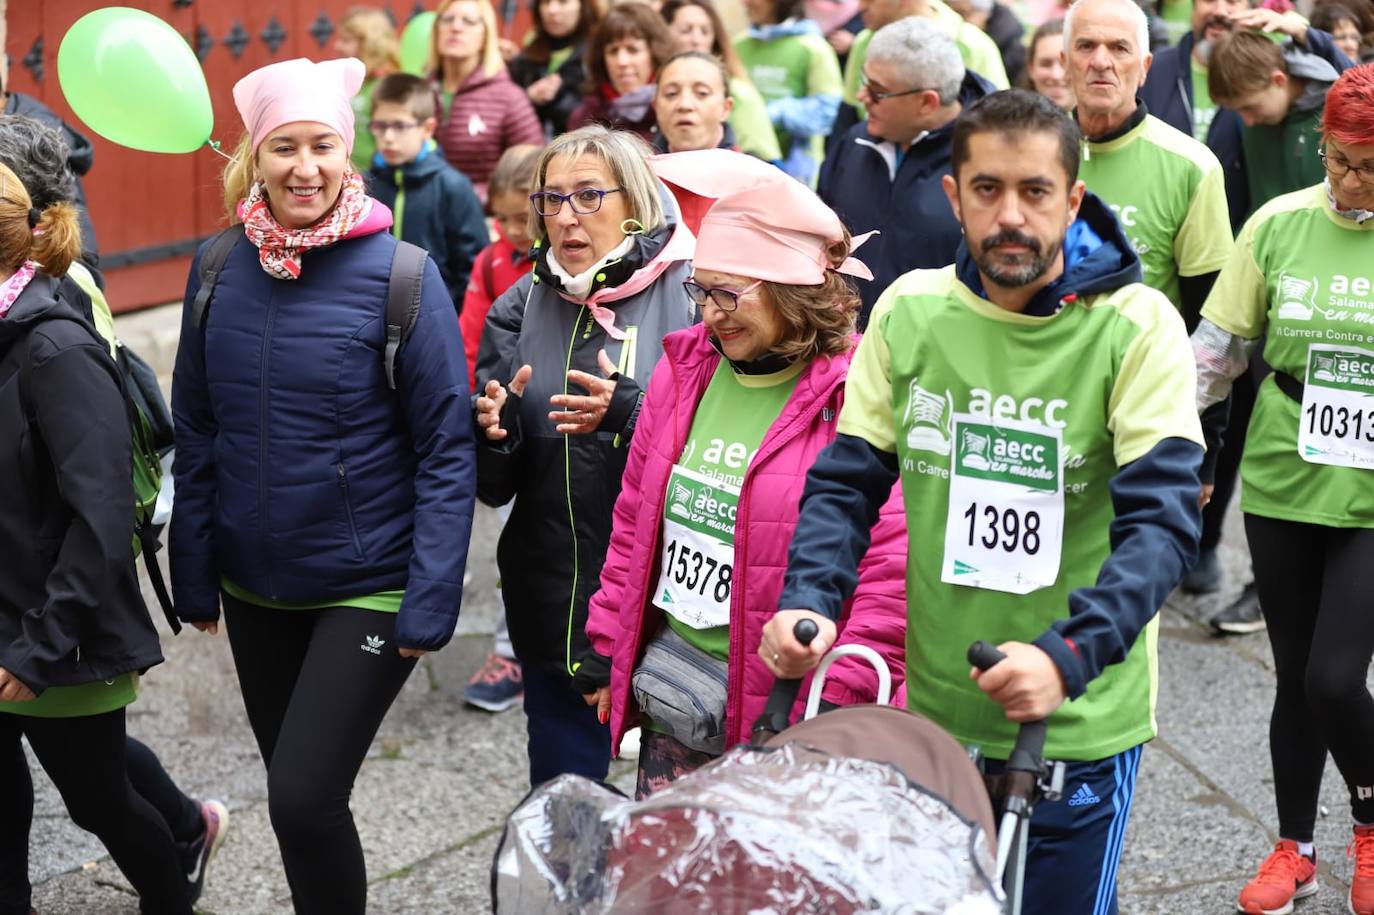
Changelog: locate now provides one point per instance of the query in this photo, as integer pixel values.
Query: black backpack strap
(402, 301)
(147, 536)
(1288, 385)
(211, 263)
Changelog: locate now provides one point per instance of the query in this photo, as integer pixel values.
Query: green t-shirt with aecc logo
(735, 413)
(1007, 430)
(1303, 276)
(1168, 191)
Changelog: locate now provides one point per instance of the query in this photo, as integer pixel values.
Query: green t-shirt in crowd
(792, 66)
(1032, 417)
(382, 601)
(749, 119)
(78, 701)
(734, 415)
(364, 146)
(1204, 109)
(1177, 16)
(1302, 275)
(1168, 191)
(979, 52)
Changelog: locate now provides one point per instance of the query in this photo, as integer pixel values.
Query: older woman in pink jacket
(735, 414)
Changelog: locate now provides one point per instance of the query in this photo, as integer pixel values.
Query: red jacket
(495, 270)
(489, 115)
(621, 620)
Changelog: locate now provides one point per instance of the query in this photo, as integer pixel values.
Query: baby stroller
(864, 809)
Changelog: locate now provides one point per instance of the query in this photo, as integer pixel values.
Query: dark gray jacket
(565, 486)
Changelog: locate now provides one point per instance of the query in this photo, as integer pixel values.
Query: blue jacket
(1168, 93)
(436, 208)
(300, 476)
(871, 185)
(1154, 537)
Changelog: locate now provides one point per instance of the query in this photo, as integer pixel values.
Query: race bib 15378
(697, 563)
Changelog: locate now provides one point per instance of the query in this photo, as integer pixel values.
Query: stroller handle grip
(784, 693)
(1028, 753)
(983, 655)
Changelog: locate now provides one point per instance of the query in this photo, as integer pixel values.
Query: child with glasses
(435, 205)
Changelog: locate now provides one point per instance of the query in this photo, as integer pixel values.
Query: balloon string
(214, 144)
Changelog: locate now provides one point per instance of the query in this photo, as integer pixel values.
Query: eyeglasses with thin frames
(584, 202)
(878, 95)
(450, 20)
(382, 128)
(726, 300)
(1337, 168)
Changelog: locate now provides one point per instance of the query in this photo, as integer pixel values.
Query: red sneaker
(1361, 848)
(1284, 876)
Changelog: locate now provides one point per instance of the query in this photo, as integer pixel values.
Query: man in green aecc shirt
(1036, 400)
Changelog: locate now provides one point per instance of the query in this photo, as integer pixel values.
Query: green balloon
(416, 42)
(135, 81)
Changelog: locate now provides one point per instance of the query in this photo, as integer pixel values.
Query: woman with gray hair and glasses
(564, 357)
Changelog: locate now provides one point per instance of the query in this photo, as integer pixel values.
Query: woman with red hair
(1298, 276)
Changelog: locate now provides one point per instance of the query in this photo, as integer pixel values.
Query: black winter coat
(554, 113)
(70, 607)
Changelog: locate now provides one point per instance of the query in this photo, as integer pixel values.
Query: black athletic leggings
(316, 685)
(1316, 585)
(86, 760)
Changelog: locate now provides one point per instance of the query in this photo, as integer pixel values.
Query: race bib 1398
(1005, 524)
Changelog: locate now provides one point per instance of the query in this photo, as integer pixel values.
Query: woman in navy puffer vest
(328, 513)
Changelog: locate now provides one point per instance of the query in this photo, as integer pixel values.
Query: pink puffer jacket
(621, 619)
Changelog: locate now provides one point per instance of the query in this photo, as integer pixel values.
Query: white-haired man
(885, 172)
(1166, 188)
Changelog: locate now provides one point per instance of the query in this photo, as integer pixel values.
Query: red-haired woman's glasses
(1337, 168)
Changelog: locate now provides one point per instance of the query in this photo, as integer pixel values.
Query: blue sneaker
(497, 686)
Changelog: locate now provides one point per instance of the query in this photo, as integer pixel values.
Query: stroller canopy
(831, 816)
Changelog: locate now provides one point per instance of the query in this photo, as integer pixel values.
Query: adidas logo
(373, 644)
(1084, 797)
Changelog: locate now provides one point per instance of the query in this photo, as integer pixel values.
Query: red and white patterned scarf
(12, 287)
(280, 248)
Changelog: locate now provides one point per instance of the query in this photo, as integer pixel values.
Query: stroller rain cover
(783, 829)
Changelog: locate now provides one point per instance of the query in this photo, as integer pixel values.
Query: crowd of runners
(823, 322)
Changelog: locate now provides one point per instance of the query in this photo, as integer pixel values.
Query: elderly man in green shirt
(1165, 187)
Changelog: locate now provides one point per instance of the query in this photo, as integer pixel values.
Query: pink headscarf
(300, 90)
(763, 224)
